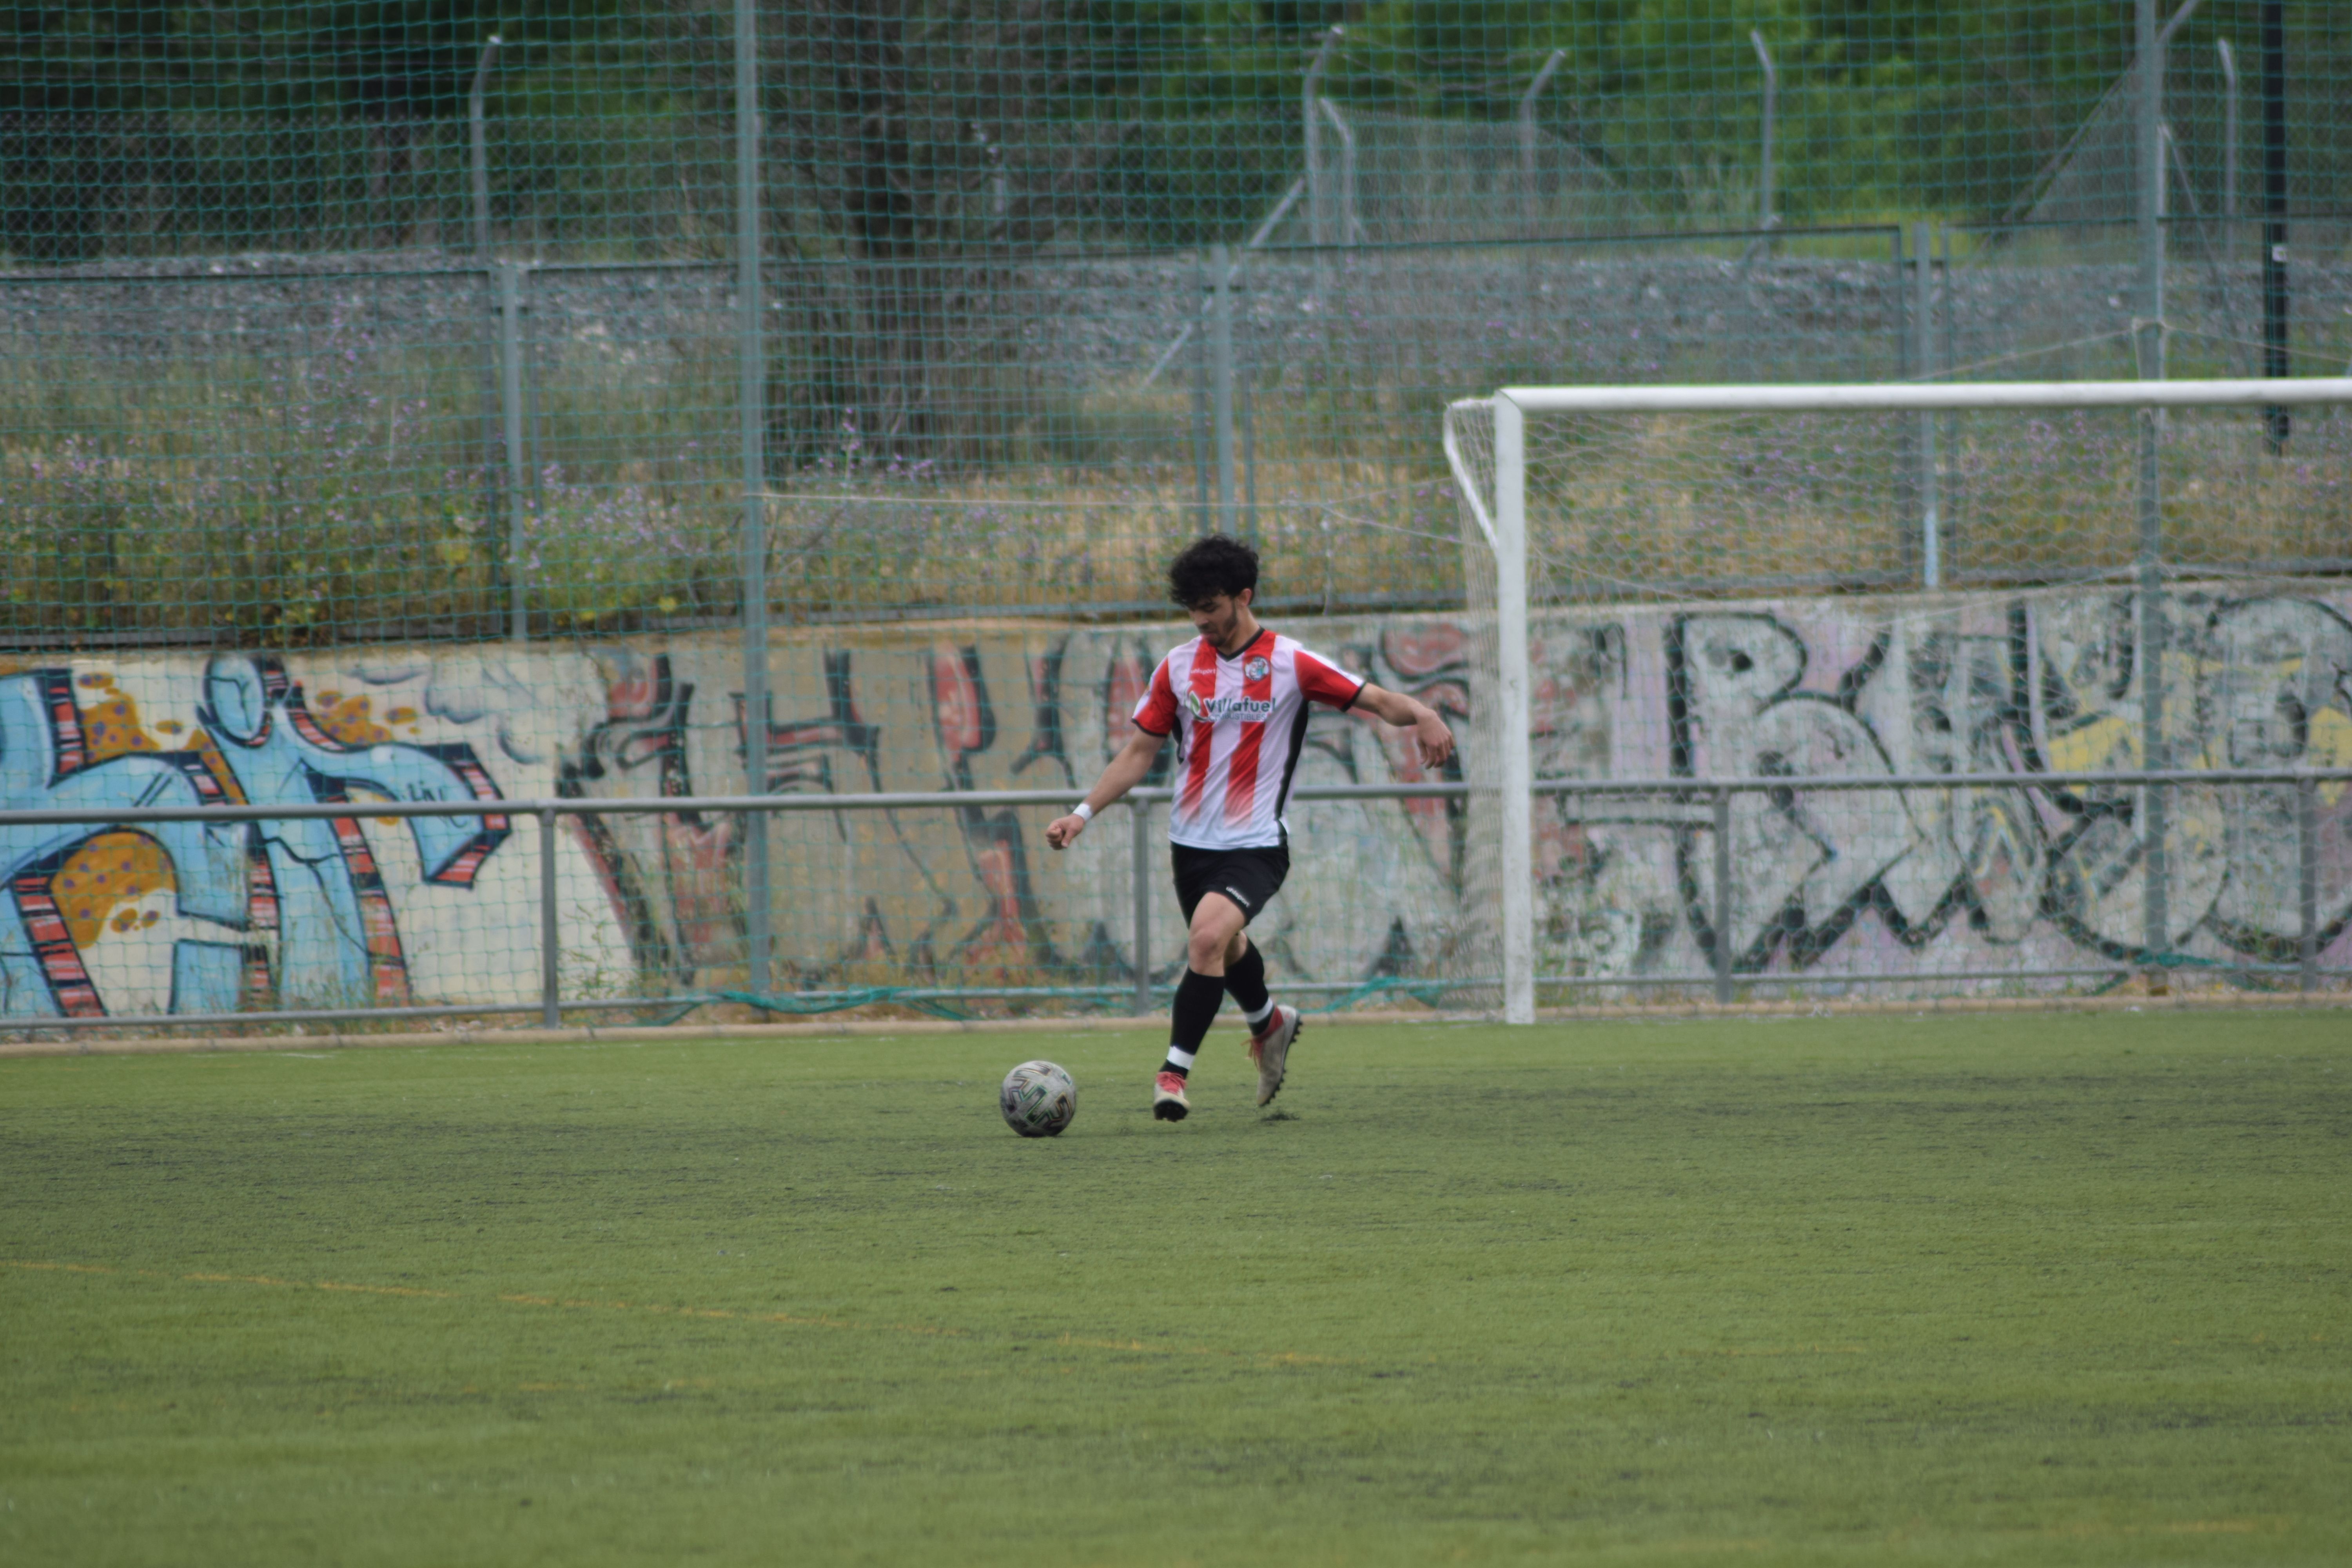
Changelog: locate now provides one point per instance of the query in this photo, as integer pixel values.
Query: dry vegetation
(1666, 507)
(349, 498)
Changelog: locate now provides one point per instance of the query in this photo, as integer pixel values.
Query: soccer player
(1236, 698)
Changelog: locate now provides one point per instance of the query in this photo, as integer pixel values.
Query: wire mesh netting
(902, 130)
(1378, 177)
(380, 380)
(1659, 508)
(297, 457)
(2156, 648)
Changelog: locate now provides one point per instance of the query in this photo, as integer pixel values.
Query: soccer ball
(1039, 1100)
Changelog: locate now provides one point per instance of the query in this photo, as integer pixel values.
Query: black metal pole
(2274, 295)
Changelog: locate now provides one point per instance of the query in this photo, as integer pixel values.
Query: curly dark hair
(1213, 564)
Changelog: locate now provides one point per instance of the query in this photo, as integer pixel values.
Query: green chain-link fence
(382, 337)
(986, 235)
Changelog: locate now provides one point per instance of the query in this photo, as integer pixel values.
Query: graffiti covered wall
(1936, 881)
(974, 897)
(360, 911)
(344, 912)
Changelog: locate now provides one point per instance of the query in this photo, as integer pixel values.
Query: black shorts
(1250, 877)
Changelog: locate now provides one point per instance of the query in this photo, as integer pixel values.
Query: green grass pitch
(2047, 1289)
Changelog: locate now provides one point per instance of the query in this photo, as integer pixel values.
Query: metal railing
(1702, 805)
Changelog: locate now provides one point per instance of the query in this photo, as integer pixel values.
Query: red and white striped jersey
(1239, 720)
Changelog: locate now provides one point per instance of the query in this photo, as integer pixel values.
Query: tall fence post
(534, 428)
(1528, 142)
(477, 136)
(752, 398)
(510, 412)
(1138, 845)
(2228, 149)
(493, 411)
(2156, 891)
(1202, 370)
(1907, 356)
(2149, 335)
(1313, 133)
(1246, 406)
(1931, 541)
(1764, 216)
(1514, 692)
(1722, 953)
(1949, 495)
(1221, 389)
(1530, 183)
(2307, 880)
(549, 951)
(2277, 361)
(1350, 227)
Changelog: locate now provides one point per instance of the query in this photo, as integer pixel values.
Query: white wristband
(1083, 812)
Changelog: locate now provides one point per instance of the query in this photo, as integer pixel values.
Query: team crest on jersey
(1257, 667)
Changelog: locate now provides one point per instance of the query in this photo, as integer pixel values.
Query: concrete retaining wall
(364, 911)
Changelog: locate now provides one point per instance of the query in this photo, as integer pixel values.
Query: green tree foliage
(168, 98)
(1146, 120)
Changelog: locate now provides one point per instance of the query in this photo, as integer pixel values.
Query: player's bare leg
(1217, 923)
(1217, 937)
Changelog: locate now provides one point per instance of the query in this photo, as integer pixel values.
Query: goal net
(1739, 638)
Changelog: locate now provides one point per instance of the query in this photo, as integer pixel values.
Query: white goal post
(1487, 446)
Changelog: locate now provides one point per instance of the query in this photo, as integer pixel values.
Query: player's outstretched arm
(1126, 771)
(1429, 732)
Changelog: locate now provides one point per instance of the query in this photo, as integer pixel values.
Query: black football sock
(1245, 981)
(1198, 996)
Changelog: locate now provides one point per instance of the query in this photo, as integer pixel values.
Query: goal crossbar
(1905, 396)
(1502, 519)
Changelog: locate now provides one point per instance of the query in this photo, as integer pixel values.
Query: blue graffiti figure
(315, 880)
(45, 765)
